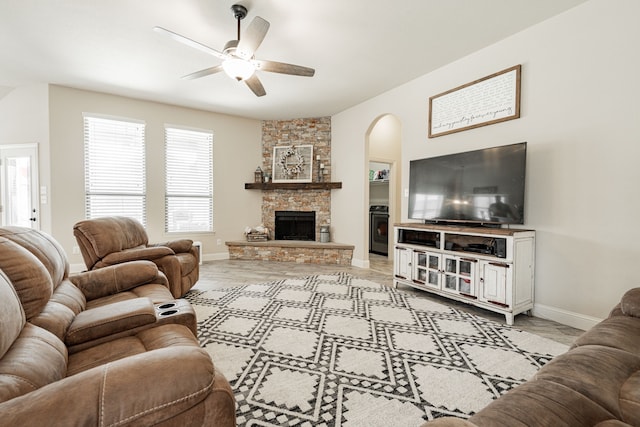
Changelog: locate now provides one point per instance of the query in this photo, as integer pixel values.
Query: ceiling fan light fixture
(238, 69)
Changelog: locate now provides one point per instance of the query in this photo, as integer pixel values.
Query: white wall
(24, 119)
(236, 151)
(579, 114)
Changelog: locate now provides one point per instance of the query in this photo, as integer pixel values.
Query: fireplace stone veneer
(292, 251)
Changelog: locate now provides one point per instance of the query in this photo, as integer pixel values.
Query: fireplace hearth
(295, 225)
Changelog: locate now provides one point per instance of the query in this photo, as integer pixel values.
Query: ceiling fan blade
(284, 68)
(191, 43)
(252, 38)
(203, 73)
(255, 85)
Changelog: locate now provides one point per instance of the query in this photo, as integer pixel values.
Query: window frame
(127, 144)
(174, 137)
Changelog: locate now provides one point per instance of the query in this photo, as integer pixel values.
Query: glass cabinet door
(419, 267)
(450, 274)
(427, 269)
(460, 275)
(433, 268)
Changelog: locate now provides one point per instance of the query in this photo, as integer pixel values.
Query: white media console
(491, 268)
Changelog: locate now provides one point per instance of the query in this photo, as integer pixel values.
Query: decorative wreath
(291, 169)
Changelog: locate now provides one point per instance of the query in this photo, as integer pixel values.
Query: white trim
(569, 318)
(13, 146)
(361, 263)
(110, 117)
(187, 128)
(216, 256)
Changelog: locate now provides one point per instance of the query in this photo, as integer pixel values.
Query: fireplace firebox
(295, 225)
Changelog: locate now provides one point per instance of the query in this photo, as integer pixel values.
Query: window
(189, 174)
(114, 168)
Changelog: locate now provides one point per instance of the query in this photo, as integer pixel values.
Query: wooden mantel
(292, 185)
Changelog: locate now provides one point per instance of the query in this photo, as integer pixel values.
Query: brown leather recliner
(153, 374)
(91, 307)
(114, 240)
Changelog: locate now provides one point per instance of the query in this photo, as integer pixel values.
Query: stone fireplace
(292, 236)
(315, 132)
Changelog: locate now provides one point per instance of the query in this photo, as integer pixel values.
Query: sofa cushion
(28, 275)
(56, 316)
(36, 358)
(44, 247)
(11, 315)
(597, 372)
(541, 403)
(622, 332)
(630, 400)
(143, 390)
(144, 341)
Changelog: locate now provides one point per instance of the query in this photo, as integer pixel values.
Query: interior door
(19, 185)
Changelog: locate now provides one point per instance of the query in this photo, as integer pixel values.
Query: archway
(383, 158)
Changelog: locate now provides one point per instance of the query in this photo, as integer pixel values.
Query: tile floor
(226, 273)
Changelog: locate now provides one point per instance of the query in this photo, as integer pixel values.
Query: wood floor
(227, 273)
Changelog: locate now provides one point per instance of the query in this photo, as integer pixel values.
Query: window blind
(114, 165)
(189, 180)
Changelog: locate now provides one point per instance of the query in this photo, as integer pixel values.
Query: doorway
(384, 160)
(379, 196)
(19, 199)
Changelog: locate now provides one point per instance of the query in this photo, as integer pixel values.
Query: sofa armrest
(177, 246)
(117, 278)
(135, 254)
(144, 389)
(110, 319)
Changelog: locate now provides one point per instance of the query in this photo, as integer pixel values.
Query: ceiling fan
(238, 59)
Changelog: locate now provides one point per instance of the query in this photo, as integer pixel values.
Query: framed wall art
(491, 99)
(292, 163)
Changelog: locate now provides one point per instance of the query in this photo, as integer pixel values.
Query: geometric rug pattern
(337, 350)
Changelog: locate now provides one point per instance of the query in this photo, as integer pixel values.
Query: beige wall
(580, 110)
(236, 154)
(24, 119)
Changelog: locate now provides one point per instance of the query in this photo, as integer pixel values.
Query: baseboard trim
(569, 318)
(360, 263)
(217, 256)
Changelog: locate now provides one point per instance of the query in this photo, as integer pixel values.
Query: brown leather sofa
(100, 347)
(595, 383)
(114, 240)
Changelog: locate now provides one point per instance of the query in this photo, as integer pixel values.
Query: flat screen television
(477, 187)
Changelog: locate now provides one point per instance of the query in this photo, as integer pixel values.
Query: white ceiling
(359, 48)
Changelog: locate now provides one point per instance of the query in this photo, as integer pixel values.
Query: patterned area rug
(336, 350)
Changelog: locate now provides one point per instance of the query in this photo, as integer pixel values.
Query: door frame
(32, 149)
